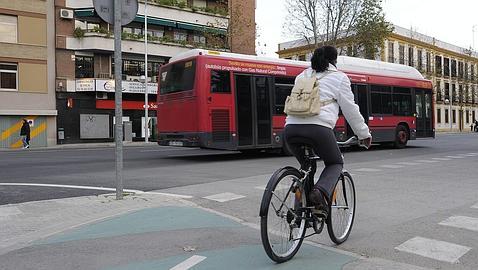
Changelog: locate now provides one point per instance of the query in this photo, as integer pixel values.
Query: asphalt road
(417, 205)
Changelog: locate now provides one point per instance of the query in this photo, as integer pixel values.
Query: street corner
(169, 237)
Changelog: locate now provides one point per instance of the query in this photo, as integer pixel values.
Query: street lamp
(449, 102)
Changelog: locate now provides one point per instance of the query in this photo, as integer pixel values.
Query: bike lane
(172, 237)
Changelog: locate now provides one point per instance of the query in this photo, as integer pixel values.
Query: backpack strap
(330, 101)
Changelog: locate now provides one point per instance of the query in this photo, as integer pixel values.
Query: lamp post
(449, 102)
(146, 130)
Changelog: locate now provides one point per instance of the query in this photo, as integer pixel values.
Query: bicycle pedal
(319, 213)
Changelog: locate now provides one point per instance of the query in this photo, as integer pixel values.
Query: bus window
(381, 97)
(178, 77)
(283, 86)
(220, 81)
(402, 101)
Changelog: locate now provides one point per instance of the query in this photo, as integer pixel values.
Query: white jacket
(335, 85)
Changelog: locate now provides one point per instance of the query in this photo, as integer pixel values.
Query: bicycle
(285, 199)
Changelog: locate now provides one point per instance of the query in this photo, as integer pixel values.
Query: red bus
(231, 101)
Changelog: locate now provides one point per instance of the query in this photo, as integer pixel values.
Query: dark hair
(322, 57)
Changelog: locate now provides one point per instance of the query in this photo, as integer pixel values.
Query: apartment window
(8, 28)
(429, 62)
(180, 35)
(447, 91)
(460, 70)
(391, 52)
(438, 65)
(8, 76)
(401, 54)
(472, 72)
(302, 57)
(439, 93)
(453, 68)
(466, 71)
(453, 116)
(447, 116)
(220, 81)
(453, 92)
(84, 66)
(446, 67)
(158, 33)
(199, 39)
(420, 59)
(467, 116)
(474, 95)
(410, 57)
(461, 97)
(438, 116)
(467, 94)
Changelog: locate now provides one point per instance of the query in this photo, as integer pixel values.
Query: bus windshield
(178, 77)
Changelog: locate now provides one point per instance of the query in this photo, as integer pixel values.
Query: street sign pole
(118, 100)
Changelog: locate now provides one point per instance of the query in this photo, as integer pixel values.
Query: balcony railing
(221, 10)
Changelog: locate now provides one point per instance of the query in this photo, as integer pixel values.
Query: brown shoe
(317, 198)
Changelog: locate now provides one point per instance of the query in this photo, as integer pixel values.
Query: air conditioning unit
(101, 95)
(66, 13)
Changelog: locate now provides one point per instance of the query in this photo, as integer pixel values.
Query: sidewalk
(84, 146)
(147, 231)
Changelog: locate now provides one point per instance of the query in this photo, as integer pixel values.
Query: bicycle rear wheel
(282, 226)
(342, 210)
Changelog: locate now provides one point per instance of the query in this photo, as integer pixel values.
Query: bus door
(423, 111)
(361, 99)
(253, 107)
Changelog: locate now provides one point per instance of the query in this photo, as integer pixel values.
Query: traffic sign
(105, 9)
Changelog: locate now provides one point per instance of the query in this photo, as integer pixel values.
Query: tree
(339, 22)
(321, 21)
(371, 29)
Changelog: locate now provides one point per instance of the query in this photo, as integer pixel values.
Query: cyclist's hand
(366, 142)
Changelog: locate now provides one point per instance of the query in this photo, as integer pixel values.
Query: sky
(451, 23)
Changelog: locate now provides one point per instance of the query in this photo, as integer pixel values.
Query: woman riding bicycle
(317, 130)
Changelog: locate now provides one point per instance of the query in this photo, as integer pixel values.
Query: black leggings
(322, 139)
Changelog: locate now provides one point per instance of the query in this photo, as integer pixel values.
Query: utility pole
(146, 130)
(118, 100)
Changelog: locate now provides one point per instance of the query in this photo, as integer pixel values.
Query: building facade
(85, 64)
(26, 59)
(452, 69)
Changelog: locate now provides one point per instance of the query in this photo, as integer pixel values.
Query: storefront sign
(85, 85)
(102, 85)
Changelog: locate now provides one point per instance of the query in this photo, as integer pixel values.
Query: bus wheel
(401, 137)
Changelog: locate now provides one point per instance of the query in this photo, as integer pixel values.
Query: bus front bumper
(179, 139)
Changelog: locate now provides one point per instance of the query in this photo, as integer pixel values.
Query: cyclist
(318, 130)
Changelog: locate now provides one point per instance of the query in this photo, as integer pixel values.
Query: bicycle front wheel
(282, 215)
(342, 210)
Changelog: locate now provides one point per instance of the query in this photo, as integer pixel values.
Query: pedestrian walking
(25, 134)
(476, 125)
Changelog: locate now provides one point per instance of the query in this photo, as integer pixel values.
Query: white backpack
(304, 99)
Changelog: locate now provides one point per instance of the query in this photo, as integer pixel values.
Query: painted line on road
(455, 157)
(434, 249)
(427, 161)
(169, 149)
(461, 222)
(187, 264)
(408, 163)
(475, 206)
(391, 166)
(224, 197)
(367, 170)
(95, 188)
(442, 159)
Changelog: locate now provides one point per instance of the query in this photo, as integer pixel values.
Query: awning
(89, 12)
(201, 28)
(156, 21)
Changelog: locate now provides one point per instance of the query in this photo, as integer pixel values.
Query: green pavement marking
(143, 221)
(250, 257)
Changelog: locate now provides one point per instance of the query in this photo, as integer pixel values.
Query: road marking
(169, 149)
(367, 170)
(408, 163)
(187, 264)
(224, 197)
(391, 166)
(441, 159)
(434, 249)
(455, 157)
(95, 188)
(427, 161)
(475, 206)
(469, 155)
(476, 154)
(278, 187)
(462, 222)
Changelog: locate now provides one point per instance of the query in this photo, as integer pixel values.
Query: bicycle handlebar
(352, 141)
